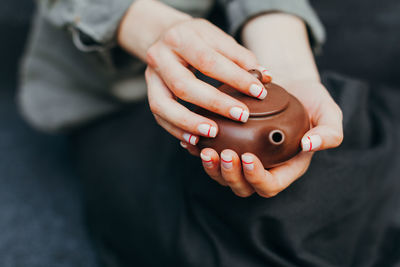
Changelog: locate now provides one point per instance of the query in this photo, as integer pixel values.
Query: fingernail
(239, 114)
(184, 145)
(248, 162)
(206, 160)
(311, 143)
(190, 138)
(207, 130)
(226, 161)
(267, 76)
(258, 91)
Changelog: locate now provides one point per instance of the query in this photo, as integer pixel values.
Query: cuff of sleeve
(97, 20)
(239, 12)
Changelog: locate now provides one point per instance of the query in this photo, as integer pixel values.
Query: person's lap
(150, 202)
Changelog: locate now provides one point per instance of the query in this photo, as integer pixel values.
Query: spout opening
(276, 137)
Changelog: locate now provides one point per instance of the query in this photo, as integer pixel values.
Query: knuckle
(215, 104)
(231, 180)
(173, 37)
(221, 182)
(255, 181)
(155, 107)
(268, 190)
(273, 192)
(274, 188)
(178, 87)
(338, 111)
(157, 119)
(269, 194)
(151, 56)
(244, 193)
(338, 138)
(205, 62)
(240, 193)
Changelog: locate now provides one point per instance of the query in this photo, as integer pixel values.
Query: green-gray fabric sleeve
(94, 23)
(240, 11)
(97, 19)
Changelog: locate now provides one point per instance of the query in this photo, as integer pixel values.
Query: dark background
(41, 220)
(363, 39)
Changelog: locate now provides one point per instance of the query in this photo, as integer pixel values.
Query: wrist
(143, 24)
(280, 42)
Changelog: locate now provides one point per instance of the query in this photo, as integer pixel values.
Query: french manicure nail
(206, 160)
(226, 161)
(190, 138)
(258, 91)
(248, 162)
(184, 145)
(239, 114)
(267, 76)
(311, 143)
(207, 130)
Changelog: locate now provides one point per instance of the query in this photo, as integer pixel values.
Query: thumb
(328, 130)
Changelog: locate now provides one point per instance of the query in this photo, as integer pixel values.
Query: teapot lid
(276, 101)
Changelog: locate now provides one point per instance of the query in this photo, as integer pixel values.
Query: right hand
(198, 44)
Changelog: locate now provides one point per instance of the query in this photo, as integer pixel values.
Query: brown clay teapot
(273, 131)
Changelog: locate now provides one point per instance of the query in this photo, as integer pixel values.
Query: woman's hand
(287, 51)
(181, 45)
(245, 173)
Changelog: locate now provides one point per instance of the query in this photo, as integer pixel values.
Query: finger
(231, 171)
(270, 183)
(328, 132)
(266, 74)
(163, 104)
(230, 48)
(213, 64)
(193, 150)
(210, 160)
(186, 137)
(186, 86)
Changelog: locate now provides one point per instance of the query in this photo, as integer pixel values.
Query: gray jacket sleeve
(97, 19)
(240, 11)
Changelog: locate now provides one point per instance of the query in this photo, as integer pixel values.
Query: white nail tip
(311, 143)
(239, 114)
(205, 157)
(263, 94)
(247, 158)
(183, 144)
(248, 162)
(265, 71)
(190, 138)
(213, 131)
(226, 161)
(245, 116)
(226, 157)
(207, 130)
(257, 91)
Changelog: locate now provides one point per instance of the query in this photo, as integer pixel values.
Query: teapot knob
(256, 73)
